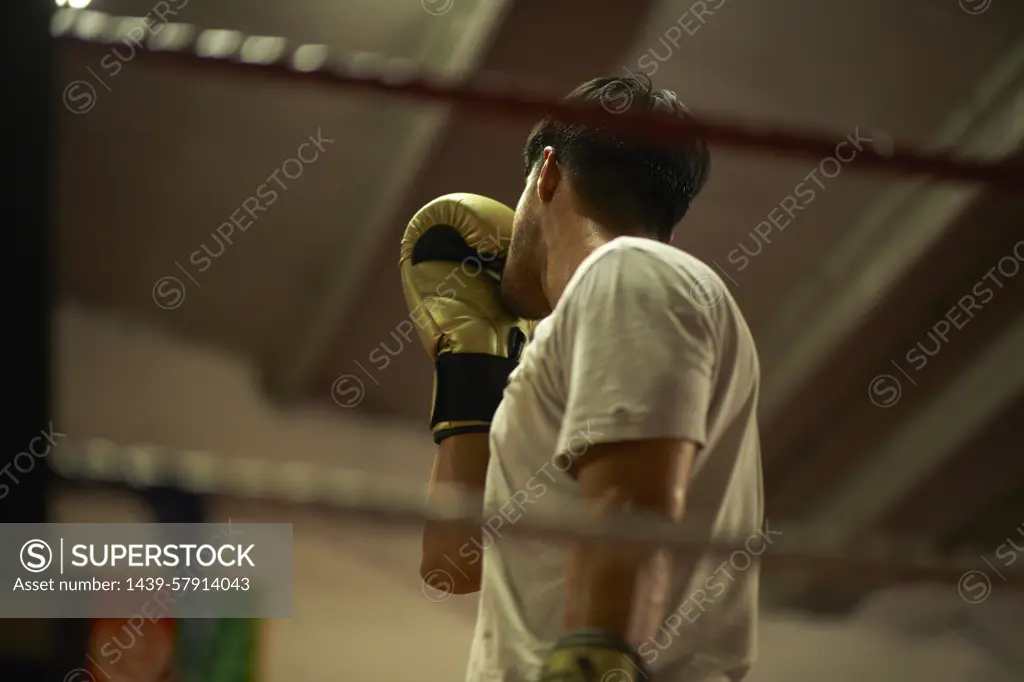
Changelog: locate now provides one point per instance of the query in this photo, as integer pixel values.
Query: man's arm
(623, 592)
(448, 250)
(638, 358)
(451, 562)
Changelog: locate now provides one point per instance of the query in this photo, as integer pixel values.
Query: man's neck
(567, 253)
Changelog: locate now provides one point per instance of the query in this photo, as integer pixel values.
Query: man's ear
(549, 176)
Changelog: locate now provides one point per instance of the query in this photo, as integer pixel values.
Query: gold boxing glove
(593, 655)
(453, 252)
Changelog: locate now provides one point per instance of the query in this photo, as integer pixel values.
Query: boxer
(638, 391)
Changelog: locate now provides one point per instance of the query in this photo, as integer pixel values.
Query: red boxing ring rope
(504, 102)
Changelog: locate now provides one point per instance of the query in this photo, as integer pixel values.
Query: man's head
(622, 184)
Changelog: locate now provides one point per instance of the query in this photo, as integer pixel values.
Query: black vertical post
(27, 648)
(27, 226)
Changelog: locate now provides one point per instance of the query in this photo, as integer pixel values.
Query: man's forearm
(617, 587)
(461, 463)
(621, 587)
(451, 552)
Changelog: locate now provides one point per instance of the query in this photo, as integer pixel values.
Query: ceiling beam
(926, 441)
(929, 438)
(987, 468)
(455, 45)
(795, 447)
(802, 468)
(461, 157)
(891, 235)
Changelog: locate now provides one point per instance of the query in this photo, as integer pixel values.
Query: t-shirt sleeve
(637, 355)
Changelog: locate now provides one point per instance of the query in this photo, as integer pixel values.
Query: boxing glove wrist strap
(468, 389)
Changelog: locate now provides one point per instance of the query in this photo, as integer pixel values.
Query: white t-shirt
(646, 342)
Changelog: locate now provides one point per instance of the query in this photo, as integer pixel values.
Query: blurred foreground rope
(794, 548)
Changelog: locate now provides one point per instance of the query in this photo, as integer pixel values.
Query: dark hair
(625, 180)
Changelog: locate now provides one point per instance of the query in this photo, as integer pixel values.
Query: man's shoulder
(655, 266)
(662, 258)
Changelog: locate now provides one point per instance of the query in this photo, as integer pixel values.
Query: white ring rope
(797, 547)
